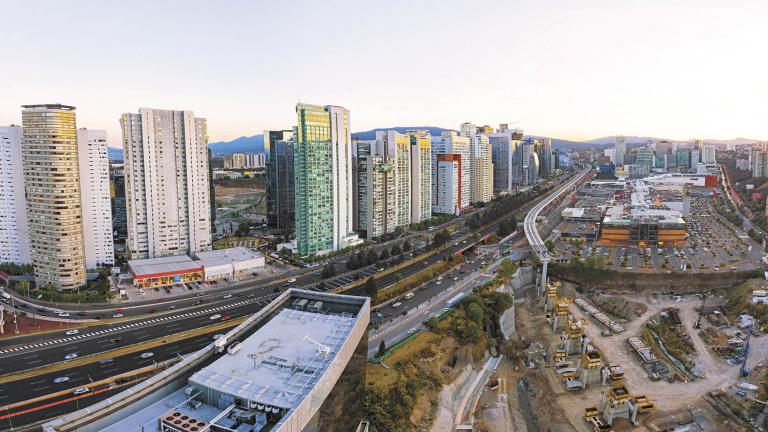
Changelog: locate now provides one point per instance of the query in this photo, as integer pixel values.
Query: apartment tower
(421, 175)
(166, 183)
(323, 179)
(52, 182)
(14, 231)
(95, 197)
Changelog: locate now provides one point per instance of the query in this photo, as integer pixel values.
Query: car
(200, 294)
(455, 278)
(171, 307)
(438, 282)
(117, 315)
(446, 309)
(396, 304)
(60, 380)
(151, 311)
(72, 332)
(379, 270)
(292, 280)
(63, 314)
(70, 356)
(106, 361)
(141, 291)
(225, 317)
(81, 390)
(217, 336)
(214, 317)
(226, 296)
(147, 355)
(412, 330)
(606, 333)
(197, 303)
(81, 314)
(115, 340)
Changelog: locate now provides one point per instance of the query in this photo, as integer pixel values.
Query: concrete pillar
(543, 287)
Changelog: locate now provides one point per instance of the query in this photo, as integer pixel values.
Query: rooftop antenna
(323, 350)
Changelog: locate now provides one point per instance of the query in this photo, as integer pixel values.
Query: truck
(455, 299)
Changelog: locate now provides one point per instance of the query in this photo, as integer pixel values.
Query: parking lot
(714, 245)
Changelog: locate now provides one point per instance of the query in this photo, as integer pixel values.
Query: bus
(408, 296)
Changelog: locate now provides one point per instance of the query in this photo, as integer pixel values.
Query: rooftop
(226, 256)
(171, 264)
(280, 362)
(54, 106)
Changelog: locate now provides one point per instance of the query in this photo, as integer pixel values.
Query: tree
(352, 262)
(329, 271)
(395, 250)
(382, 349)
(550, 245)
(372, 257)
(475, 313)
(440, 238)
(406, 246)
(384, 254)
(371, 289)
(507, 269)
(243, 228)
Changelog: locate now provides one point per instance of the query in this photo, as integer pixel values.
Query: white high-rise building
(481, 169)
(450, 143)
(621, 150)
(446, 183)
(95, 197)
(166, 183)
(14, 231)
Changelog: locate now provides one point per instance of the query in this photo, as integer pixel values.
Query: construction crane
(323, 350)
(745, 371)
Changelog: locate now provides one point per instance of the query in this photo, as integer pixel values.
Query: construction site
(653, 372)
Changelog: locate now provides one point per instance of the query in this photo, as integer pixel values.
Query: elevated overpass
(529, 225)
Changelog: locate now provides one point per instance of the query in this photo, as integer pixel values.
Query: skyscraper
(273, 136)
(543, 148)
(447, 180)
(95, 197)
(481, 169)
(621, 150)
(506, 156)
(421, 175)
(14, 231)
(450, 143)
(52, 182)
(166, 183)
(280, 182)
(323, 179)
(645, 157)
(708, 155)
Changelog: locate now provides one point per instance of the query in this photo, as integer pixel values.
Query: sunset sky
(567, 69)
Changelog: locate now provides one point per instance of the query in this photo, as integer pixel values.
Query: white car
(117, 316)
(64, 315)
(215, 317)
(81, 390)
(72, 332)
(396, 304)
(438, 283)
(291, 280)
(70, 356)
(146, 355)
(226, 296)
(411, 331)
(61, 379)
(446, 309)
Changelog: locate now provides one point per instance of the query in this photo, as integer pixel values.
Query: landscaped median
(80, 361)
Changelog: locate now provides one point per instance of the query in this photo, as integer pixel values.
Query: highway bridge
(529, 225)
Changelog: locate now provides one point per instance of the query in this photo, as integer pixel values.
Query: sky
(567, 69)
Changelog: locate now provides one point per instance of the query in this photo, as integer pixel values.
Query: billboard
(750, 186)
(756, 195)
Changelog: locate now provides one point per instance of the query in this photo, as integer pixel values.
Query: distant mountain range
(255, 143)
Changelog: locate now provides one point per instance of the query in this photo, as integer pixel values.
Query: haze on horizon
(572, 70)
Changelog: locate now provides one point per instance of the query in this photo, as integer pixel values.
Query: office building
(119, 212)
(296, 365)
(167, 183)
(708, 155)
(543, 148)
(323, 179)
(481, 169)
(95, 198)
(506, 156)
(645, 157)
(280, 181)
(421, 175)
(533, 167)
(52, 183)
(451, 143)
(273, 136)
(447, 181)
(14, 231)
(621, 150)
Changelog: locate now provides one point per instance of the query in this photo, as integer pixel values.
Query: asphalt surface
(28, 352)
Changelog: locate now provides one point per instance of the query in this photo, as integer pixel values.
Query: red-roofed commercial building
(165, 271)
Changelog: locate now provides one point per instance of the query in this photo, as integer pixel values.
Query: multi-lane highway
(96, 343)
